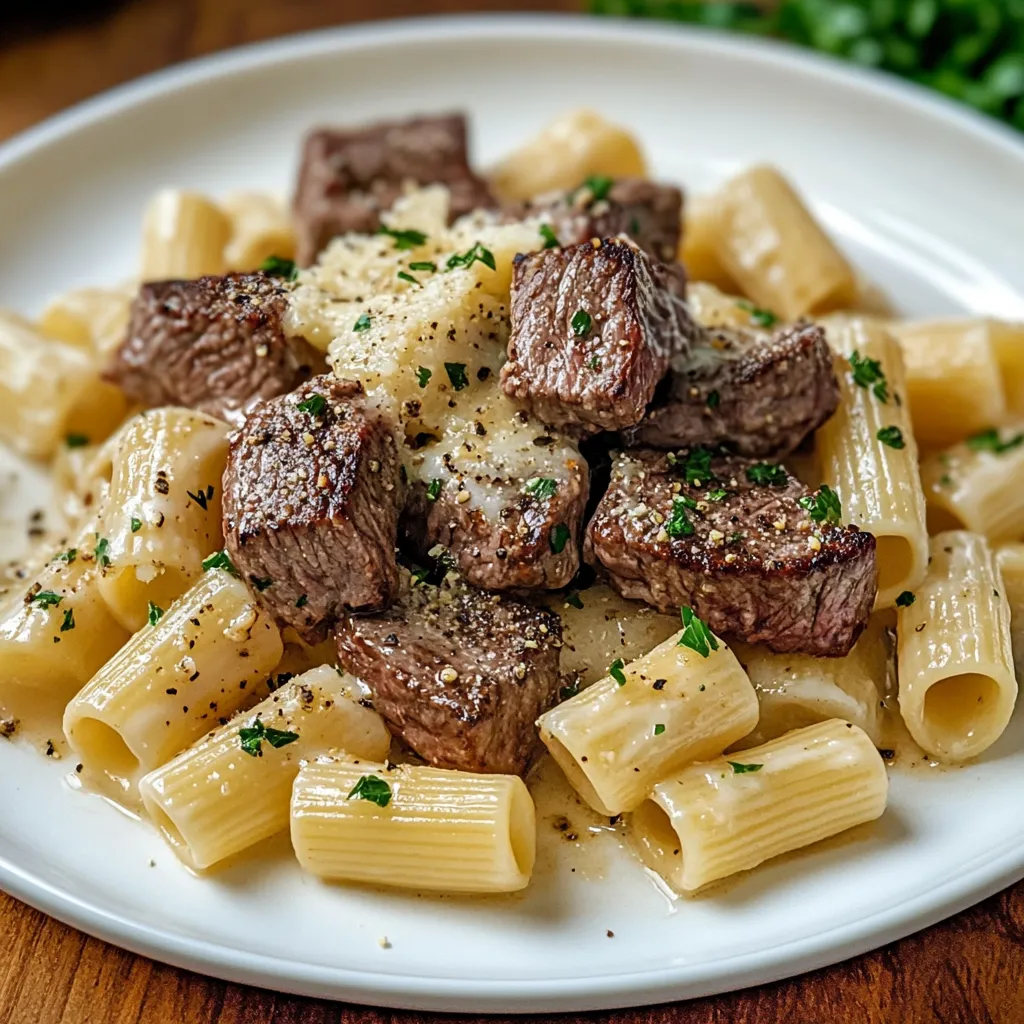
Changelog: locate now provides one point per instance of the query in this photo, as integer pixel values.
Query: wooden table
(969, 970)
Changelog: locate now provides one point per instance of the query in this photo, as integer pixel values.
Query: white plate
(927, 198)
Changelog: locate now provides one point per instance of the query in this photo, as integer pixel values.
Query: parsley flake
(892, 436)
(593, 363)
(478, 254)
(869, 373)
(713, 399)
(574, 599)
(659, 729)
(423, 375)
(696, 634)
(219, 560)
(581, 323)
(69, 620)
(905, 600)
(549, 236)
(541, 487)
(434, 490)
(457, 375)
(767, 474)
(824, 507)
(423, 265)
(407, 239)
(615, 671)
(759, 316)
(559, 537)
(716, 495)
(404, 276)
(599, 185)
(363, 323)
(570, 691)
(990, 441)
(302, 601)
(696, 466)
(315, 405)
(76, 440)
(47, 599)
(136, 524)
(261, 582)
(372, 788)
(102, 552)
(742, 769)
(277, 266)
(252, 738)
(155, 613)
(679, 524)
(67, 557)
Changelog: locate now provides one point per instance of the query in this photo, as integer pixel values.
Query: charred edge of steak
(312, 494)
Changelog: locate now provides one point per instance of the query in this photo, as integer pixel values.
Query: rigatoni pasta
(769, 243)
(670, 707)
(1008, 344)
(199, 662)
(183, 235)
(260, 228)
(413, 827)
(1010, 560)
(867, 453)
(233, 788)
(956, 681)
(715, 819)
(93, 319)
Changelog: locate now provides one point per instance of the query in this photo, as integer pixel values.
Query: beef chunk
(533, 542)
(744, 554)
(312, 493)
(762, 395)
(593, 329)
(215, 344)
(648, 212)
(461, 676)
(349, 176)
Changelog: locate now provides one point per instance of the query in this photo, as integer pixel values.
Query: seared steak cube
(649, 213)
(312, 493)
(348, 177)
(461, 676)
(593, 329)
(215, 344)
(762, 395)
(533, 542)
(748, 548)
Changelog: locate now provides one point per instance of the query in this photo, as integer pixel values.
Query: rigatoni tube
(670, 707)
(1010, 560)
(203, 660)
(956, 682)
(867, 453)
(233, 788)
(413, 827)
(183, 235)
(714, 819)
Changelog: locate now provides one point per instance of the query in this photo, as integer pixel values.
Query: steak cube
(748, 548)
(312, 494)
(649, 213)
(348, 177)
(461, 676)
(760, 394)
(215, 344)
(593, 329)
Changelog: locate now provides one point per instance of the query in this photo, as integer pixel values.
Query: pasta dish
(372, 501)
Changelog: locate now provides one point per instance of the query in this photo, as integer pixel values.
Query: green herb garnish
(478, 254)
(559, 537)
(434, 490)
(892, 436)
(767, 474)
(136, 524)
(76, 440)
(541, 487)
(679, 524)
(404, 276)
(372, 788)
(261, 582)
(615, 671)
(824, 507)
(574, 599)
(67, 556)
(759, 316)
(549, 236)
(315, 405)
(742, 769)
(252, 738)
(713, 399)
(457, 375)
(716, 495)
(219, 560)
(69, 620)
(404, 239)
(581, 323)
(905, 600)
(423, 265)
(696, 634)
(570, 691)
(302, 601)
(868, 373)
(423, 375)
(102, 552)
(599, 185)
(362, 324)
(46, 599)
(990, 441)
(155, 613)
(277, 266)
(659, 729)
(593, 363)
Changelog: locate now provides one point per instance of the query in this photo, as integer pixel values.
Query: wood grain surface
(969, 970)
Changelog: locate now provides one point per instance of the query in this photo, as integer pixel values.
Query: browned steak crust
(751, 562)
(593, 329)
(312, 494)
(215, 344)
(348, 177)
(461, 676)
(760, 395)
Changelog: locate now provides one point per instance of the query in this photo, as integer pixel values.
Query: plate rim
(422, 992)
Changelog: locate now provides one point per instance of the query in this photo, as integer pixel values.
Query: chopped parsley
(593, 363)
(457, 375)
(570, 691)
(541, 487)
(302, 601)
(696, 634)
(990, 441)
(434, 490)
(155, 613)
(574, 599)
(423, 265)
(659, 729)
(362, 324)
(679, 524)
(478, 254)
(599, 185)
(559, 537)
(905, 600)
(404, 276)
(219, 560)
(136, 524)
(892, 436)
(759, 316)
(868, 373)
(824, 507)
(742, 769)
(581, 323)
(47, 599)
(549, 236)
(76, 440)
(767, 474)
(67, 557)
(713, 399)
(372, 788)
(615, 671)
(717, 495)
(252, 738)
(69, 620)
(261, 582)
(696, 466)
(315, 405)
(423, 375)
(278, 266)
(102, 552)
(407, 239)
